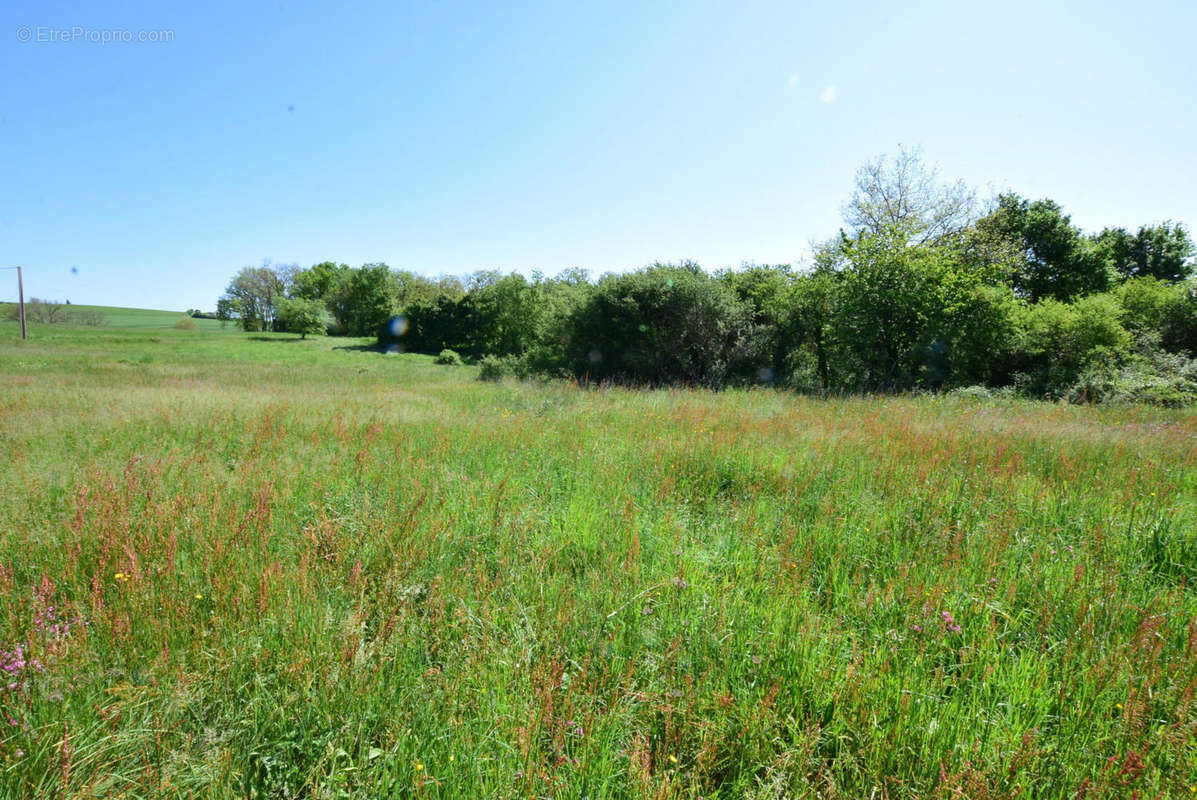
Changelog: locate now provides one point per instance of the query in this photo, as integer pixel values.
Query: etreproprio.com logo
(39, 34)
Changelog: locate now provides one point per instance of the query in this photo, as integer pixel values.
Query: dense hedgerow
(919, 293)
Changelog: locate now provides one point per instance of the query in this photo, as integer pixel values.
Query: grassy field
(142, 318)
(239, 565)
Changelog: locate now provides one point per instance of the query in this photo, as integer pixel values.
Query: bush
(1072, 349)
(493, 369)
(302, 316)
(90, 317)
(665, 324)
(449, 358)
(1161, 379)
(972, 393)
(186, 324)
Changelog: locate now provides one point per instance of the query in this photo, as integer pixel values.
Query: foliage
(906, 195)
(910, 316)
(1046, 254)
(186, 324)
(449, 358)
(665, 324)
(303, 316)
(1163, 251)
(365, 300)
(1061, 341)
(501, 313)
(42, 312)
(914, 295)
(433, 324)
(51, 312)
(492, 368)
(317, 282)
(251, 298)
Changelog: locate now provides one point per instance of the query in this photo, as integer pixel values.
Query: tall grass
(271, 568)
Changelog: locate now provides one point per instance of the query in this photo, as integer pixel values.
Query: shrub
(493, 368)
(186, 324)
(449, 358)
(91, 317)
(665, 324)
(302, 316)
(1161, 379)
(972, 393)
(1066, 344)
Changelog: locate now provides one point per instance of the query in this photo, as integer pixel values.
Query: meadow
(141, 318)
(245, 565)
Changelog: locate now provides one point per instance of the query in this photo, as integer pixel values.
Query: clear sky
(448, 137)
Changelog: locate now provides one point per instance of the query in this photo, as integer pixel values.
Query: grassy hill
(244, 565)
(145, 318)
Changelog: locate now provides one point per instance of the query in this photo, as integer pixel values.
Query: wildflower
(672, 758)
(419, 767)
(199, 597)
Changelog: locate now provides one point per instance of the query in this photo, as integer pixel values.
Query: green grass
(284, 568)
(143, 318)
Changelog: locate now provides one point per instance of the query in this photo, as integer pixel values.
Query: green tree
(810, 308)
(365, 300)
(664, 324)
(1162, 251)
(1060, 341)
(1044, 253)
(251, 297)
(303, 316)
(318, 281)
(767, 291)
(503, 314)
(890, 308)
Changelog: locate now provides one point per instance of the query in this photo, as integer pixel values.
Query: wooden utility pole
(21, 297)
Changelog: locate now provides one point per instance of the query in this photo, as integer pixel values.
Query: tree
(251, 297)
(46, 312)
(767, 291)
(365, 300)
(503, 314)
(1045, 255)
(810, 308)
(303, 316)
(1060, 341)
(907, 194)
(318, 281)
(1161, 251)
(665, 324)
(889, 308)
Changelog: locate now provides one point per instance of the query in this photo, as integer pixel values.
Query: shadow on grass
(273, 339)
(361, 348)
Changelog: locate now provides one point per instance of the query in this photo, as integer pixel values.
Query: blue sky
(450, 137)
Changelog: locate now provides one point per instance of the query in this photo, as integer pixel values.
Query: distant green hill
(146, 317)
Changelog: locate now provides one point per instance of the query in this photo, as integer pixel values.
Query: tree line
(923, 289)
